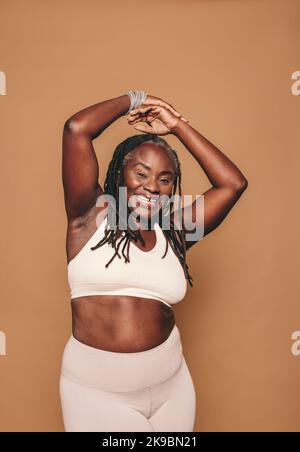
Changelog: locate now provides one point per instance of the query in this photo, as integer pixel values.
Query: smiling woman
(123, 368)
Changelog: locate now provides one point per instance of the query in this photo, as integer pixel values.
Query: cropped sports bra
(147, 275)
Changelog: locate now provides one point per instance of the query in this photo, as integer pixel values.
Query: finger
(157, 101)
(144, 111)
(172, 110)
(134, 117)
(168, 107)
(161, 103)
(138, 119)
(153, 101)
(134, 121)
(142, 114)
(146, 128)
(146, 114)
(149, 118)
(137, 115)
(178, 115)
(175, 112)
(141, 109)
(153, 109)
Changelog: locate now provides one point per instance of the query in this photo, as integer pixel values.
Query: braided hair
(175, 238)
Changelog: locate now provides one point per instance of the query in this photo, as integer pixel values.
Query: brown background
(226, 65)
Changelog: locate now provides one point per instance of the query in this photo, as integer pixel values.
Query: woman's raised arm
(80, 169)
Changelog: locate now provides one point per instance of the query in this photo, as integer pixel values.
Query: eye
(165, 181)
(141, 174)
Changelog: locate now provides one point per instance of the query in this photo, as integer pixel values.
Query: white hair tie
(137, 97)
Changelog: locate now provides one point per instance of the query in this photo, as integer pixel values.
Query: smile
(146, 201)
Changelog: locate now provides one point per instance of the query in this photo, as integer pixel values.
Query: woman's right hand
(153, 119)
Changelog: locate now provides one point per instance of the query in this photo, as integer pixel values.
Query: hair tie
(137, 97)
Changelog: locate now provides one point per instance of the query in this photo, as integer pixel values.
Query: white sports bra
(145, 276)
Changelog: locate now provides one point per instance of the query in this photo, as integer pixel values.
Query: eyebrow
(148, 168)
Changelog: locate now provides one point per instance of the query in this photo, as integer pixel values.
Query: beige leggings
(148, 391)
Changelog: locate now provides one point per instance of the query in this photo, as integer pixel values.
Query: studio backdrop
(232, 68)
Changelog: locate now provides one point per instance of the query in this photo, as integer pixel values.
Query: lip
(144, 200)
(153, 198)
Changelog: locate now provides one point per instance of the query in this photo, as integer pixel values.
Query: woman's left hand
(154, 119)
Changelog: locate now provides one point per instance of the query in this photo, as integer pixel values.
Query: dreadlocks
(176, 238)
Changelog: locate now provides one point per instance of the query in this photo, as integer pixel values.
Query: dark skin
(127, 323)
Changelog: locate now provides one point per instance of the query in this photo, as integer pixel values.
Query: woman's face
(150, 173)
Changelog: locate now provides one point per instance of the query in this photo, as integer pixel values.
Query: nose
(152, 186)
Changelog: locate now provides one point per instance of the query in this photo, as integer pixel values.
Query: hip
(116, 371)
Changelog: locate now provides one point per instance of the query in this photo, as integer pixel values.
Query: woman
(123, 368)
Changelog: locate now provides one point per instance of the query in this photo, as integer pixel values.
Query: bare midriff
(121, 324)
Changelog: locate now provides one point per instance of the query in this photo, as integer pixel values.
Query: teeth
(144, 199)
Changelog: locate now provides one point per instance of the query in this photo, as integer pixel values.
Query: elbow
(72, 125)
(242, 185)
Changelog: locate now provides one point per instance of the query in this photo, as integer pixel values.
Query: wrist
(179, 127)
(136, 98)
(124, 100)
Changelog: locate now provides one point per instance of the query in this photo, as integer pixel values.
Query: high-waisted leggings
(147, 391)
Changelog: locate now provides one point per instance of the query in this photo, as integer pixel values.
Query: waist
(121, 324)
